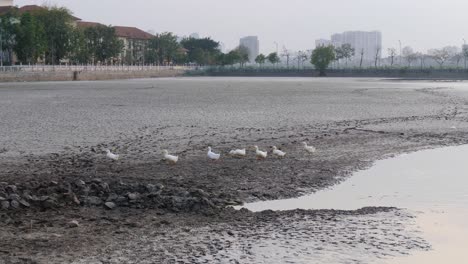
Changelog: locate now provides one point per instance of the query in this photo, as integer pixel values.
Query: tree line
(323, 56)
(48, 35)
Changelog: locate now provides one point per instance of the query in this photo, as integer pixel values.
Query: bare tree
(348, 52)
(391, 54)
(339, 55)
(442, 55)
(457, 57)
(409, 55)
(301, 58)
(421, 57)
(286, 53)
(465, 52)
(362, 57)
(377, 56)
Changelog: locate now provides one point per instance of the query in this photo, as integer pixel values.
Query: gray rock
(75, 199)
(80, 183)
(105, 187)
(44, 198)
(199, 193)
(14, 197)
(151, 188)
(121, 199)
(11, 188)
(112, 197)
(14, 204)
(110, 205)
(2, 198)
(133, 196)
(96, 180)
(24, 203)
(27, 197)
(73, 224)
(93, 200)
(49, 203)
(5, 205)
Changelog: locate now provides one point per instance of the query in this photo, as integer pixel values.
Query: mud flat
(430, 183)
(65, 203)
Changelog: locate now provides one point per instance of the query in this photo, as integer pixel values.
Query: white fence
(93, 68)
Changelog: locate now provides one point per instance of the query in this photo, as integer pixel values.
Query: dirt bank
(85, 75)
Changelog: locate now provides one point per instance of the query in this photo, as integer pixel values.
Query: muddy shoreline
(122, 208)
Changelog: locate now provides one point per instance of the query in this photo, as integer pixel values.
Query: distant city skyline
(296, 24)
(253, 46)
(367, 42)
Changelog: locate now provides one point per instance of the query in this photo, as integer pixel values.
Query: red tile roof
(34, 8)
(5, 9)
(30, 8)
(86, 24)
(132, 33)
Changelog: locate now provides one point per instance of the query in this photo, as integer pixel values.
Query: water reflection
(432, 183)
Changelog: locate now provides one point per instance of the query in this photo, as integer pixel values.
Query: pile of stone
(98, 193)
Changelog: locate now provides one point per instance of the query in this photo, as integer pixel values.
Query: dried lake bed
(52, 149)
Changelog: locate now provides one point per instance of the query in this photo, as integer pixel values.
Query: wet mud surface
(143, 210)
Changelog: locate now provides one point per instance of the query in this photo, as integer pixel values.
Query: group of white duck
(216, 156)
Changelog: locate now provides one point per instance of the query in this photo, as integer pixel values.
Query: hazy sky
(422, 24)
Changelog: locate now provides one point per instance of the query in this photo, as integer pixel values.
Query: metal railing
(94, 68)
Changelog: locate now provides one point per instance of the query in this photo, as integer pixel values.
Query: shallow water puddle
(431, 183)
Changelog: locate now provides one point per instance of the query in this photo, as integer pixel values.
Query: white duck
(260, 154)
(278, 152)
(111, 155)
(170, 158)
(238, 152)
(309, 149)
(212, 155)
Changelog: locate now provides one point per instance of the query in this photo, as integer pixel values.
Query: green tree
(31, 40)
(202, 51)
(339, 55)
(260, 59)
(163, 48)
(8, 31)
(230, 58)
(80, 52)
(322, 57)
(102, 43)
(273, 58)
(345, 51)
(57, 23)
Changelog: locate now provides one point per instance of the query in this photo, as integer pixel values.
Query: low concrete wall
(86, 75)
(458, 74)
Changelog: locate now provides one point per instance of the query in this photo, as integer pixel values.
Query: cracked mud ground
(141, 210)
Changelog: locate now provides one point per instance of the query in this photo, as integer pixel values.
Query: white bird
(260, 154)
(238, 152)
(309, 149)
(278, 152)
(111, 155)
(212, 155)
(170, 158)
